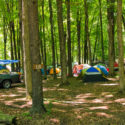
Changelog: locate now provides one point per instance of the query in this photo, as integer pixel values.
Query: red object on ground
(115, 64)
(75, 69)
(108, 69)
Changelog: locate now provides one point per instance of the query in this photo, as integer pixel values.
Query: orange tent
(57, 71)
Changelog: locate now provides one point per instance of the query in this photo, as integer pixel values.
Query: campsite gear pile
(50, 71)
(3, 69)
(90, 73)
(78, 68)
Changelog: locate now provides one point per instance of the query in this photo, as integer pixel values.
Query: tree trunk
(87, 46)
(20, 53)
(14, 41)
(123, 19)
(5, 37)
(12, 50)
(110, 15)
(69, 39)
(37, 95)
(120, 45)
(95, 46)
(26, 50)
(44, 47)
(101, 26)
(52, 39)
(78, 35)
(11, 38)
(62, 43)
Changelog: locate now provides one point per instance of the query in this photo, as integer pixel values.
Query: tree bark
(96, 40)
(12, 49)
(101, 26)
(62, 43)
(26, 50)
(120, 45)
(37, 90)
(14, 42)
(5, 37)
(123, 19)
(44, 40)
(52, 39)
(69, 39)
(87, 46)
(78, 35)
(110, 16)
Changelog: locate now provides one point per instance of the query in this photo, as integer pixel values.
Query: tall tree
(20, 43)
(78, 35)
(62, 43)
(120, 45)
(69, 38)
(110, 16)
(44, 40)
(10, 35)
(26, 49)
(52, 38)
(31, 7)
(101, 26)
(87, 46)
(5, 36)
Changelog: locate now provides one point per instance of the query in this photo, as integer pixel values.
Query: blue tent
(103, 69)
(3, 62)
(92, 70)
(93, 74)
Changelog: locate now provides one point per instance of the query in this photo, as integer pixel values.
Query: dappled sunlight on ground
(81, 102)
(54, 89)
(111, 84)
(59, 110)
(86, 95)
(55, 120)
(49, 89)
(11, 95)
(99, 107)
(97, 101)
(102, 114)
(121, 101)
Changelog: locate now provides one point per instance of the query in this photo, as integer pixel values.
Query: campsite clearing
(79, 103)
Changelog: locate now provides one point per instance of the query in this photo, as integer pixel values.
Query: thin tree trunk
(110, 16)
(120, 45)
(87, 47)
(123, 19)
(11, 41)
(44, 40)
(102, 44)
(69, 39)
(73, 47)
(14, 41)
(52, 39)
(78, 35)
(5, 37)
(62, 43)
(20, 53)
(96, 40)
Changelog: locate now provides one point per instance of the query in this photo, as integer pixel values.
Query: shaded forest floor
(77, 104)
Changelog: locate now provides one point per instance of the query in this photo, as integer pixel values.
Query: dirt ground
(76, 104)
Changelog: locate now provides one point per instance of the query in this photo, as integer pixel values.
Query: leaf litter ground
(76, 104)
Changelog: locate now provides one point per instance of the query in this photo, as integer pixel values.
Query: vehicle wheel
(6, 84)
